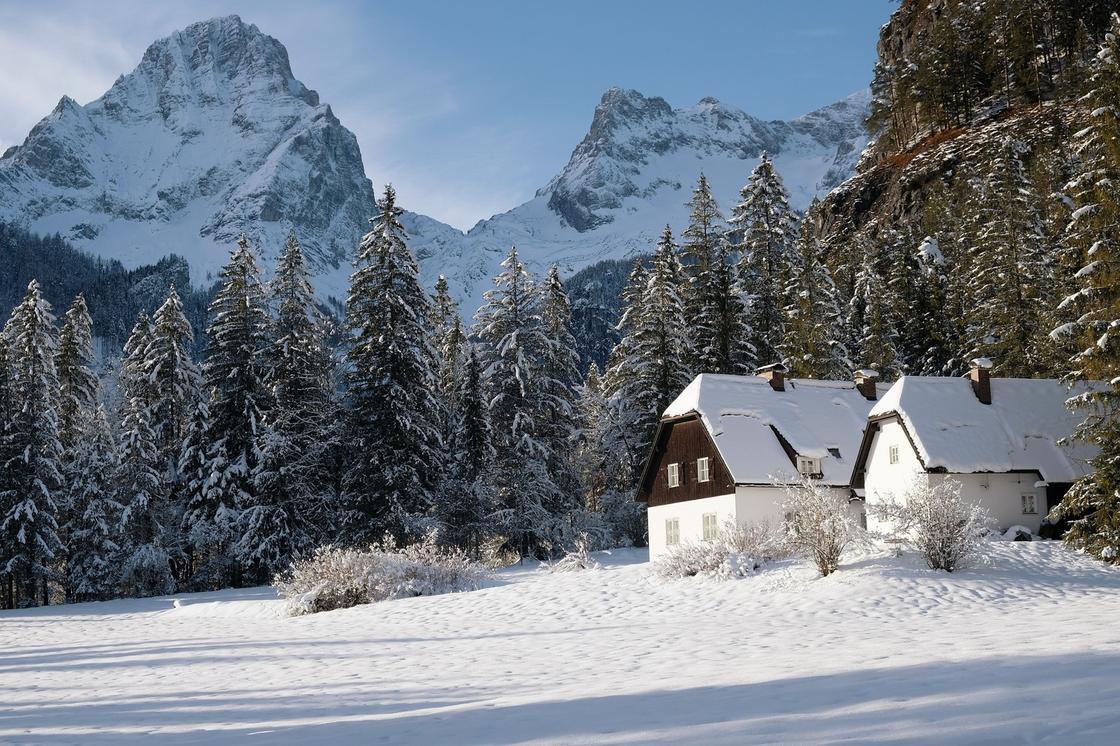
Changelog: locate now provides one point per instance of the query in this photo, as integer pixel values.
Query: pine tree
(239, 402)
(292, 481)
(869, 315)
(33, 477)
(394, 414)
(713, 307)
(765, 226)
(559, 380)
(602, 461)
(466, 501)
(648, 369)
(174, 380)
(1093, 504)
(1009, 268)
(814, 341)
(92, 572)
(133, 379)
(146, 527)
(76, 380)
(77, 385)
(514, 342)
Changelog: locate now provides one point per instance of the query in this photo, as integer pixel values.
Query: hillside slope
(1021, 649)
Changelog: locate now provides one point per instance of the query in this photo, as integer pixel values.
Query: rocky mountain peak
(211, 135)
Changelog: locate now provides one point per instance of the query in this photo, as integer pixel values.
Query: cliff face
(952, 82)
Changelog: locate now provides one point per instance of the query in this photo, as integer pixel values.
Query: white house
(728, 445)
(1000, 438)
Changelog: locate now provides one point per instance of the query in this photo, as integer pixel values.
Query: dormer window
(834, 452)
(807, 466)
(674, 474)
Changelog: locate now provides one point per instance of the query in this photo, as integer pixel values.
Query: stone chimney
(980, 374)
(775, 373)
(865, 383)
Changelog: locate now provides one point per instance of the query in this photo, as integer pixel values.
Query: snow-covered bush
(737, 552)
(819, 524)
(948, 531)
(337, 578)
(578, 559)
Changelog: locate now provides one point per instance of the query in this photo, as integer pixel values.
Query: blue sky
(469, 107)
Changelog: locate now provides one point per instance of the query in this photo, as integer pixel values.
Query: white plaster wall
(1000, 494)
(691, 516)
(749, 505)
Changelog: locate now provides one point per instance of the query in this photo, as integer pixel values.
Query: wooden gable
(682, 441)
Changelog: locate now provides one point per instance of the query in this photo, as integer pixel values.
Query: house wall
(747, 505)
(690, 513)
(1000, 494)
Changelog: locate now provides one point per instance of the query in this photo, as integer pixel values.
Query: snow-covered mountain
(634, 172)
(211, 136)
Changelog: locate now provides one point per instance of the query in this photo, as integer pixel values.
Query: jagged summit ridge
(211, 135)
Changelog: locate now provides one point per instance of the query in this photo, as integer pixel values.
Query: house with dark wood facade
(729, 446)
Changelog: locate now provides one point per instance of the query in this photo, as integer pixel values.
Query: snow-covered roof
(816, 418)
(1020, 430)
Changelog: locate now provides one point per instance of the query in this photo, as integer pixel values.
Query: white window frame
(703, 469)
(807, 466)
(710, 526)
(673, 474)
(672, 532)
(1030, 501)
(892, 454)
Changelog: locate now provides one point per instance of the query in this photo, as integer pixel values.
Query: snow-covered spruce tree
(559, 379)
(465, 502)
(291, 485)
(92, 572)
(650, 369)
(234, 372)
(146, 523)
(450, 342)
(932, 315)
(174, 380)
(32, 480)
(133, 379)
(814, 341)
(77, 397)
(869, 315)
(718, 336)
(393, 432)
(603, 459)
(1010, 270)
(77, 383)
(514, 344)
(1092, 506)
(764, 227)
(7, 485)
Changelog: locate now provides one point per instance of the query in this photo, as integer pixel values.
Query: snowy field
(1026, 649)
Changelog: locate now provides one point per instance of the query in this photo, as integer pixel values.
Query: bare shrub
(738, 551)
(578, 559)
(945, 529)
(337, 578)
(819, 524)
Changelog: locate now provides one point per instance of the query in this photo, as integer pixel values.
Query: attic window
(892, 452)
(703, 469)
(674, 474)
(834, 452)
(808, 466)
